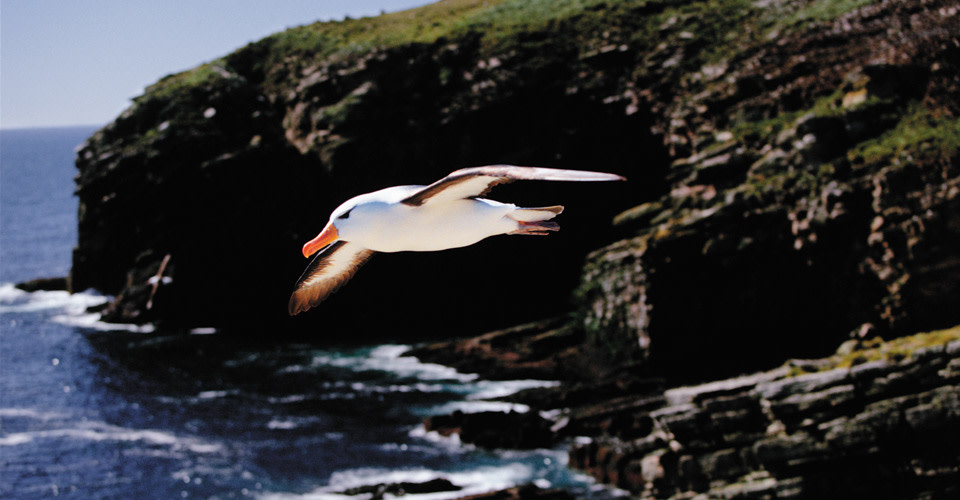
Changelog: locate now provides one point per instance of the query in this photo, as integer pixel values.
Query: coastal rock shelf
(876, 419)
(883, 428)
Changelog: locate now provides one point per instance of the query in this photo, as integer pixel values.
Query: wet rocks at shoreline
(545, 349)
(44, 284)
(495, 429)
(864, 430)
(524, 492)
(527, 491)
(377, 491)
(876, 416)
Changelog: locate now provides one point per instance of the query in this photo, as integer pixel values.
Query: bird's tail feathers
(535, 214)
(535, 228)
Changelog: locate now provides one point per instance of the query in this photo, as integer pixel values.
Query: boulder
(494, 429)
(59, 283)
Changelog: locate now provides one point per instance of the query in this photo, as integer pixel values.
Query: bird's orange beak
(326, 237)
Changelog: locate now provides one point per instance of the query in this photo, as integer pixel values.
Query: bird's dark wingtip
(296, 306)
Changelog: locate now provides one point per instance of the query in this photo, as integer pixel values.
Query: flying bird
(449, 213)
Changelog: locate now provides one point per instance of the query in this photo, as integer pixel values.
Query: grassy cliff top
(718, 28)
(500, 19)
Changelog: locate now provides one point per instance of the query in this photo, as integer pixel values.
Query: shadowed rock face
(793, 177)
(808, 199)
(230, 179)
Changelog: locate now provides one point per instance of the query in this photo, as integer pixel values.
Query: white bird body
(379, 222)
(446, 214)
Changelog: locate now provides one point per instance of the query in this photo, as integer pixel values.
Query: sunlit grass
(711, 30)
(444, 19)
(919, 132)
(895, 349)
(826, 10)
(877, 349)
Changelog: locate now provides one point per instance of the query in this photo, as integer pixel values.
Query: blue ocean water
(88, 410)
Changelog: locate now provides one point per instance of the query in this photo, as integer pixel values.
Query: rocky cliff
(230, 167)
(794, 174)
(813, 192)
(872, 421)
(787, 160)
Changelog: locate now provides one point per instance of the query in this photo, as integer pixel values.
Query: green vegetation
(915, 134)
(174, 85)
(703, 32)
(450, 19)
(714, 30)
(825, 10)
(716, 21)
(877, 349)
(893, 350)
(919, 133)
(832, 105)
(424, 24)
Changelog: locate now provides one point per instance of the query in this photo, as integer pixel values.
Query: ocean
(90, 410)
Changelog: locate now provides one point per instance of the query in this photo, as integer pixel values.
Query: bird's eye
(345, 215)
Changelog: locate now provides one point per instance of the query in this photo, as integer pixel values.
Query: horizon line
(35, 127)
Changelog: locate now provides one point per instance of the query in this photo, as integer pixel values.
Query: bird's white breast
(385, 225)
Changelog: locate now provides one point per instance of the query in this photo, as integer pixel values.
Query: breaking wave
(69, 309)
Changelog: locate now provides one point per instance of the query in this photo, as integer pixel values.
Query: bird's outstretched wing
(476, 181)
(329, 270)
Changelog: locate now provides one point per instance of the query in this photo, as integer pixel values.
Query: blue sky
(79, 62)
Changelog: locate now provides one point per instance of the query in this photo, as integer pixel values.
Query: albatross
(449, 213)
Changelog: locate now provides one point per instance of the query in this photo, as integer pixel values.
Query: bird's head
(334, 230)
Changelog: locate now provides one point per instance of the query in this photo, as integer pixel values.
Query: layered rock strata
(883, 428)
(874, 420)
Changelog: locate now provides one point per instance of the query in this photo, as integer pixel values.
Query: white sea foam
(14, 300)
(29, 413)
(389, 358)
(92, 321)
(492, 389)
(99, 431)
(368, 388)
(421, 449)
(431, 378)
(450, 443)
(389, 351)
(72, 307)
(472, 482)
(477, 407)
(290, 423)
(214, 394)
(276, 424)
(293, 398)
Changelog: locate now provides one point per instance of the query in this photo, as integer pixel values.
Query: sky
(79, 62)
